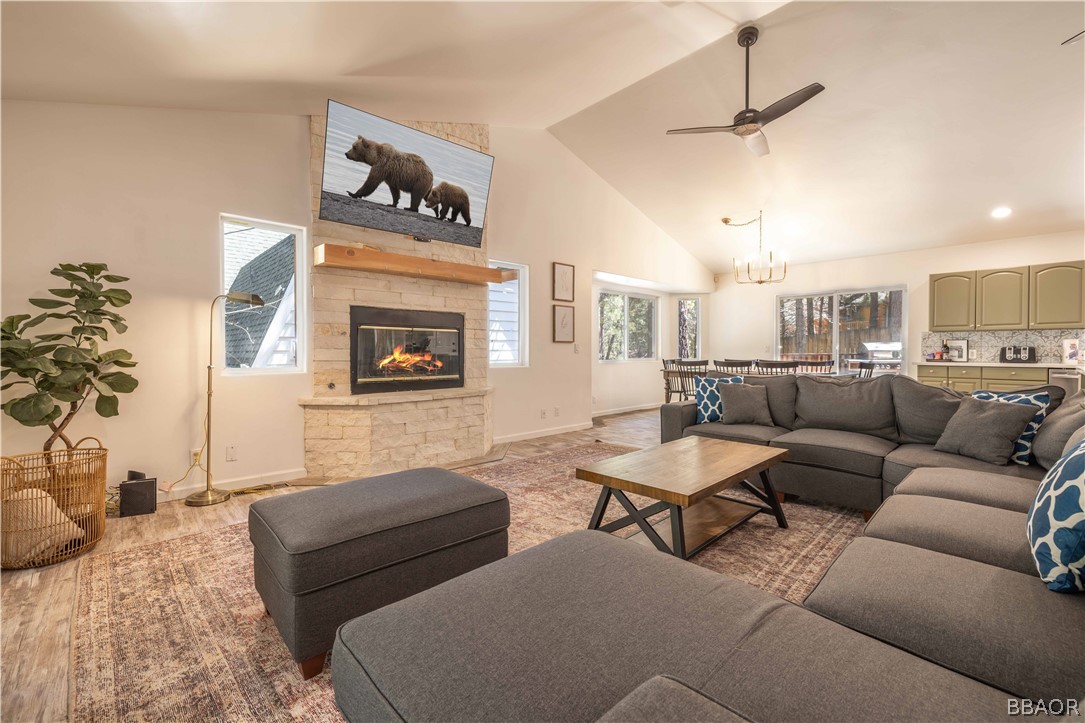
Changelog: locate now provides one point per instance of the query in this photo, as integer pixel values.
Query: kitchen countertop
(1041, 365)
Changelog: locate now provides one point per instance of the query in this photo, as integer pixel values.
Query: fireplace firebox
(398, 349)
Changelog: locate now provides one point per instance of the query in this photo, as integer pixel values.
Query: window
(263, 258)
(508, 318)
(627, 326)
(848, 326)
(689, 328)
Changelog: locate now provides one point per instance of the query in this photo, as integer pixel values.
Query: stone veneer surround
(355, 436)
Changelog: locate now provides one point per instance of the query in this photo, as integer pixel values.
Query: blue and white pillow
(1056, 523)
(709, 404)
(1022, 448)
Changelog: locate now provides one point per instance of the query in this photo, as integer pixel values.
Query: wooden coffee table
(686, 476)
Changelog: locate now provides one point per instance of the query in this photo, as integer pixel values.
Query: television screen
(383, 175)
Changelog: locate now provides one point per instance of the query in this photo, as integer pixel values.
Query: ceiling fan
(748, 123)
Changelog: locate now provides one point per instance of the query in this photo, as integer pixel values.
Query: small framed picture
(958, 349)
(564, 324)
(564, 281)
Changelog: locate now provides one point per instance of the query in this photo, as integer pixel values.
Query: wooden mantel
(367, 258)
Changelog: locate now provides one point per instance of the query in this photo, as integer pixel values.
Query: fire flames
(401, 361)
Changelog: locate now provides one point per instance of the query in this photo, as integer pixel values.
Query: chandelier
(763, 268)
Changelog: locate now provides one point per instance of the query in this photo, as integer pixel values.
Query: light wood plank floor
(36, 606)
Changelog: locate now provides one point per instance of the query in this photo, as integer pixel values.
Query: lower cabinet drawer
(1030, 375)
(931, 371)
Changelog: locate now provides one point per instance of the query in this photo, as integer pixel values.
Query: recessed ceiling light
(1001, 212)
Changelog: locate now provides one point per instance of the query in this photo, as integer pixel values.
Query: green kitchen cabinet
(953, 301)
(1002, 299)
(1057, 295)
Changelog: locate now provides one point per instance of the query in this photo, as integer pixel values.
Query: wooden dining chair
(773, 366)
(734, 366)
(866, 369)
(816, 367)
(686, 370)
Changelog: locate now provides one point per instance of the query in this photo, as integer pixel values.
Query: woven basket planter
(53, 505)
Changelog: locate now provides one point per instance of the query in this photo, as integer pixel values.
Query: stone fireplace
(364, 419)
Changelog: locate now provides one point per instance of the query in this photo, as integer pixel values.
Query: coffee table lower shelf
(703, 523)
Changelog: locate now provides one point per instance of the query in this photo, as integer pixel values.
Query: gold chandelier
(760, 269)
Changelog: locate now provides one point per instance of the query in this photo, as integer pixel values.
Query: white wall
(546, 206)
(142, 189)
(746, 318)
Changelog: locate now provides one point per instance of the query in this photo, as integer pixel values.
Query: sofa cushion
(922, 411)
(998, 626)
(1056, 430)
(752, 433)
(1003, 491)
(1056, 523)
(781, 390)
(985, 430)
(663, 699)
(975, 532)
(744, 404)
(907, 457)
(1022, 448)
(706, 395)
(846, 404)
(833, 449)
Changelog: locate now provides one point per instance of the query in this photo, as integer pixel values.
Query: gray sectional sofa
(851, 441)
(934, 614)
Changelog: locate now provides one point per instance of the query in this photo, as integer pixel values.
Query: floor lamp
(212, 496)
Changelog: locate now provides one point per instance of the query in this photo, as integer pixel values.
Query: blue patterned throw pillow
(709, 404)
(1022, 448)
(1056, 523)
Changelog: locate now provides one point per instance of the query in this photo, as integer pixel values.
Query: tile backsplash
(985, 344)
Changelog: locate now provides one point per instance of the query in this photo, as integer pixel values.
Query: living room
(924, 184)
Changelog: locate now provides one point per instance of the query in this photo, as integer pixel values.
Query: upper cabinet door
(1002, 300)
(953, 301)
(1057, 296)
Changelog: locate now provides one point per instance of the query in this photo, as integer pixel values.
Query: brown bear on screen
(445, 197)
(401, 171)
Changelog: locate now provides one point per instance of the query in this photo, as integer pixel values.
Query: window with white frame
(689, 328)
(263, 258)
(627, 326)
(508, 317)
(848, 327)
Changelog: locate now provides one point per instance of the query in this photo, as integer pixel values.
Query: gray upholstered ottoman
(327, 555)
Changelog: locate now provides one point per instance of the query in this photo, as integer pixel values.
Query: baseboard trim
(622, 410)
(267, 478)
(542, 432)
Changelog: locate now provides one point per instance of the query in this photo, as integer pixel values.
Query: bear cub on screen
(407, 172)
(445, 197)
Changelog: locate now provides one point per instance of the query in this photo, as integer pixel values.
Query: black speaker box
(138, 496)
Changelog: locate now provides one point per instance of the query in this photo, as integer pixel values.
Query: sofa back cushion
(922, 411)
(847, 404)
(1057, 429)
(781, 390)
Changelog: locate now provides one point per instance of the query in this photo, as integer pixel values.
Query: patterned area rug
(176, 631)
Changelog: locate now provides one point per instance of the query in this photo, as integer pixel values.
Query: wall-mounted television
(384, 175)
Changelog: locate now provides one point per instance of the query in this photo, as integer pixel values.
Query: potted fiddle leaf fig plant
(63, 370)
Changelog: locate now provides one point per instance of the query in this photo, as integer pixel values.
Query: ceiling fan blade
(703, 129)
(788, 104)
(757, 143)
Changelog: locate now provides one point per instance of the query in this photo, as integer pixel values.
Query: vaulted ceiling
(933, 114)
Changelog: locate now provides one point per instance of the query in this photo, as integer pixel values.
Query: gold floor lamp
(212, 496)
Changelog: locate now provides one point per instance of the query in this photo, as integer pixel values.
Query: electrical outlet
(194, 457)
(971, 353)
(576, 348)
(231, 453)
(557, 412)
(542, 414)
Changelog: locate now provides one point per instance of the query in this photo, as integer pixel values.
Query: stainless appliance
(1068, 379)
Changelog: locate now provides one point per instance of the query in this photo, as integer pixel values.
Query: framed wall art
(564, 324)
(564, 281)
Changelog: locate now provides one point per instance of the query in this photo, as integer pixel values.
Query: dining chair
(773, 366)
(866, 369)
(734, 366)
(686, 370)
(816, 367)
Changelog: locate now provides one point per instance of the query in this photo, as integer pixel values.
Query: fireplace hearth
(400, 350)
